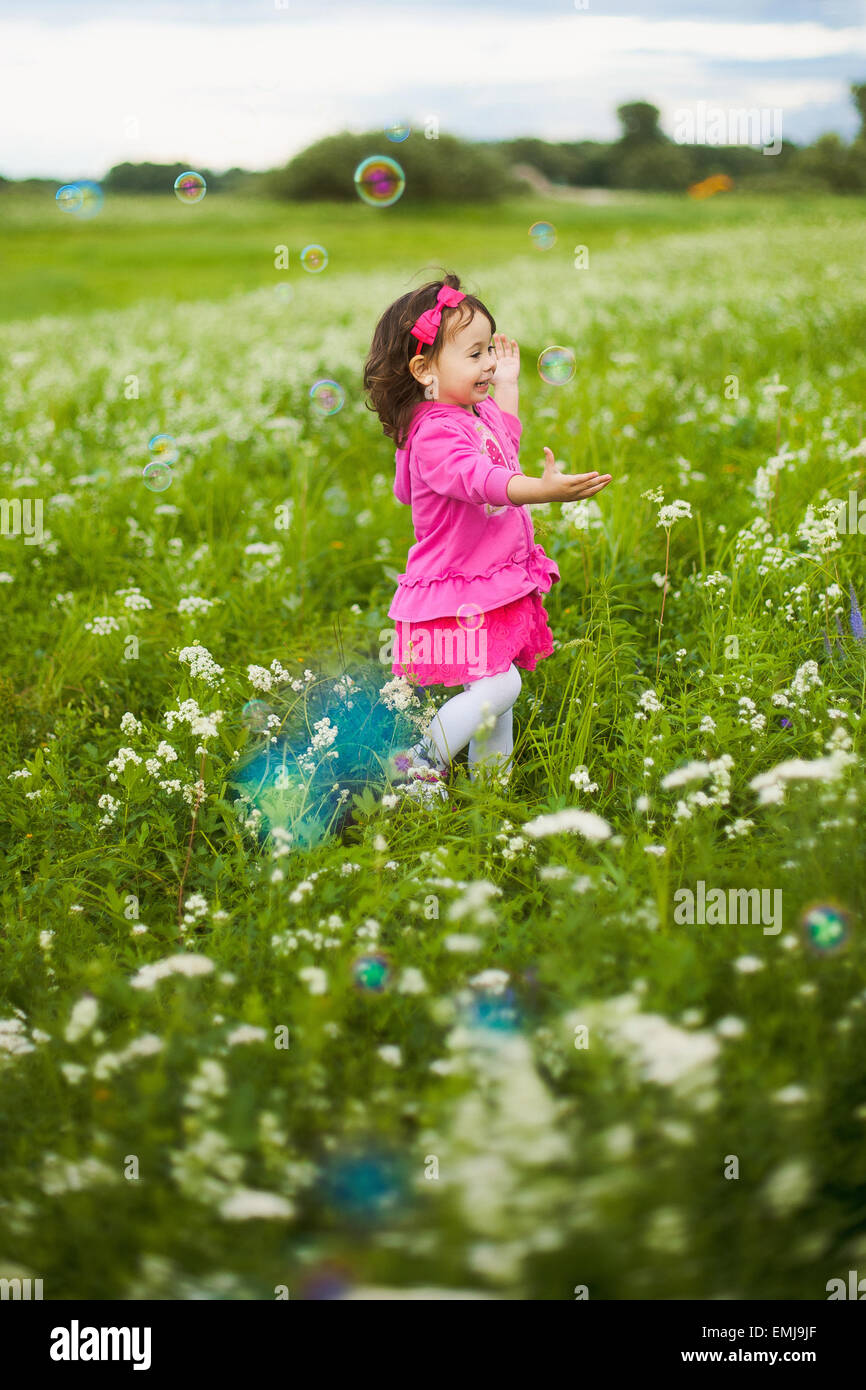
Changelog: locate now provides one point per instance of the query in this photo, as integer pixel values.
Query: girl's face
(465, 366)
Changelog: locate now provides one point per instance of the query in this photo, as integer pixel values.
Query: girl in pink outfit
(468, 611)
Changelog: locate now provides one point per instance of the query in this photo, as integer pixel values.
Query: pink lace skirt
(448, 651)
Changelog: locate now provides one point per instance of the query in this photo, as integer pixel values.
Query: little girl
(469, 609)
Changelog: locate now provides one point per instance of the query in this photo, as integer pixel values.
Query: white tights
(480, 716)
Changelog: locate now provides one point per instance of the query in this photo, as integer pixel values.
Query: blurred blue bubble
(371, 972)
(310, 793)
(326, 1281)
(365, 1185)
(497, 1012)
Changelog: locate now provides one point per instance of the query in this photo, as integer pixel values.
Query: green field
(147, 247)
(614, 1098)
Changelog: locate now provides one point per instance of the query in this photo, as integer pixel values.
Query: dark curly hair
(393, 390)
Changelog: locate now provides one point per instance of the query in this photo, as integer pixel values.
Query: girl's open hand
(570, 487)
(507, 358)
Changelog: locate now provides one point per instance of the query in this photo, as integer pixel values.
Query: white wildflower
(673, 512)
(84, 1014)
(747, 965)
(494, 981)
(100, 627)
(730, 1027)
(788, 1187)
(188, 964)
(315, 979)
(581, 779)
(586, 823)
(246, 1033)
(411, 982)
(201, 664)
(462, 943)
(260, 678)
(246, 1204)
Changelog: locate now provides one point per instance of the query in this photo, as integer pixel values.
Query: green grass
(558, 1165)
(147, 247)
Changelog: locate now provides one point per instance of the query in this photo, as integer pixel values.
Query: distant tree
(555, 162)
(644, 157)
(143, 178)
(858, 94)
(156, 178)
(840, 167)
(640, 124)
(575, 163)
(665, 167)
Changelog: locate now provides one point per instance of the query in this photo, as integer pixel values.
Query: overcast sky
(250, 82)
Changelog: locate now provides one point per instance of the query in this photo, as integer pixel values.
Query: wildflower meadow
(273, 1027)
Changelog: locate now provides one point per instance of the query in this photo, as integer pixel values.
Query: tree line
(448, 169)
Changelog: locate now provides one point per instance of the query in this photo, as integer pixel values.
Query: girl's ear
(419, 368)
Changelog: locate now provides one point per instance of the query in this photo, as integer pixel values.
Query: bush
(839, 167)
(446, 169)
(666, 167)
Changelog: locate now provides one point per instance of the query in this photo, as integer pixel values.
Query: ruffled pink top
(473, 545)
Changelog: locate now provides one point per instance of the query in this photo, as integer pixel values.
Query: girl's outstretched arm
(554, 486)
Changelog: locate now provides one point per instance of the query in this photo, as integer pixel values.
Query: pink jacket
(473, 544)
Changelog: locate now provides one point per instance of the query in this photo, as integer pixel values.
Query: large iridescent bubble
(157, 476)
(333, 743)
(190, 187)
(379, 181)
(556, 365)
(68, 198)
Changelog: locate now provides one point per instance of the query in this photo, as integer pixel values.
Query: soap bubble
(543, 235)
(157, 476)
(255, 715)
(398, 132)
(379, 181)
(556, 365)
(371, 972)
(325, 1281)
(825, 926)
(327, 396)
(365, 1185)
(83, 199)
(470, 617)
(68, 198)
(285, 290)
(164, 448)
(314, 258)
(497, 1012)
(190, 187)
(91, 199)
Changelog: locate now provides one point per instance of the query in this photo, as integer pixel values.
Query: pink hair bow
(427, 326)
